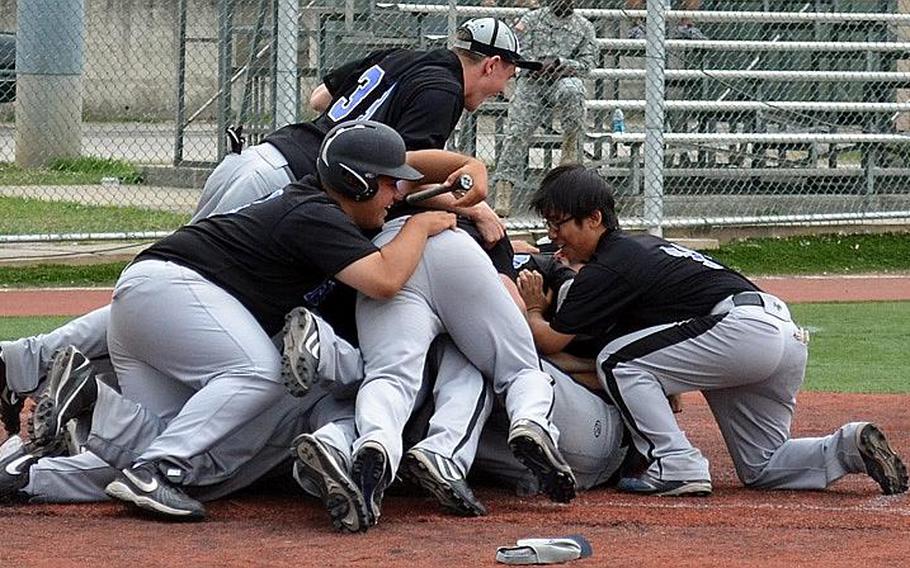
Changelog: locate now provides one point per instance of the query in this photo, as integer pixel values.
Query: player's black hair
(576, 191)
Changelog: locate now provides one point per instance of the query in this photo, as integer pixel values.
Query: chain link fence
(700, 114)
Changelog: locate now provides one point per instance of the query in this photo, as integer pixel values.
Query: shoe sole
(417, 470)
(297, 369)
(555, 480)
(882, 463)
(693, 489)
(40, 442)
(341, 496)
(375, 474)
(121, 491)
(47, 422)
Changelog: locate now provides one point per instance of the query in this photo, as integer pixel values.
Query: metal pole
(452, 21)
(287, 91)
(225, 64)
(181, 82)
(50, 35)
(655, 101)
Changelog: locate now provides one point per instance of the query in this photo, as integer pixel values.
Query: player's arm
(382, 274)
(320, 98)
(442, 166)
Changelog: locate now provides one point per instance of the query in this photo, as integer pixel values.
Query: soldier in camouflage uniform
(564, 41)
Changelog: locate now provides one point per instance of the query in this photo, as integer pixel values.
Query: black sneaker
(10, 404)
(71, 391)
(645, 484)
(533, 447)
(16, 459)
(882, 464)
(324, 467)
(145, 487)
(301, 351)
(440, 477)
(369, 473)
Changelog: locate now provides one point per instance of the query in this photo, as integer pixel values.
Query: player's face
(496, 74)
(371, 214)
(573, 236)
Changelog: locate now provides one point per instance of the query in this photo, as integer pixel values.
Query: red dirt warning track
(850, 524)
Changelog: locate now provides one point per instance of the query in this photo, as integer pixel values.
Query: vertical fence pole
(181, 83)
(49, 45)
(655, 103)
(287, 91)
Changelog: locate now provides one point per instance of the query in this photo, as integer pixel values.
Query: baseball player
(419, 94)
(672, 320)
(564, 43)
(228, 281)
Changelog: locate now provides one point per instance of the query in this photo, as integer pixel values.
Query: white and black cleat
(648, 485)
(300, 356)
(369, 473)
(882, 463)
(534, 448)
(325, 469)
(439, 476)
(71, 391)
(16, 459)
(145, 487)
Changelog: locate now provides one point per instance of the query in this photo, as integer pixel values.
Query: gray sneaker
(648, 485)
(440, 477)
(324, 467)
(533, 446)
(301, 351)
(882, 464)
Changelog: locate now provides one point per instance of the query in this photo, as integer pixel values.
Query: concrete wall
(131, 56)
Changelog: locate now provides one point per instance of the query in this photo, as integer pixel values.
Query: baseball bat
(465, 182)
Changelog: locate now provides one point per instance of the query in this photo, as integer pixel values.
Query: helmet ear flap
(354, 188)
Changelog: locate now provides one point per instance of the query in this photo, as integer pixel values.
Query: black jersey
(418, 93)
(272, 255)
(636, 281)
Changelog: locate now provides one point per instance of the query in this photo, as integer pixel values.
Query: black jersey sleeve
(429, 118)
(594, 302)
(321, 234)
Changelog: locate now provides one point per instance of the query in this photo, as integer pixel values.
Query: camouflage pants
(534, 104)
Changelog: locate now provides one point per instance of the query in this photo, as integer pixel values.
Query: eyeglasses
(555, 226)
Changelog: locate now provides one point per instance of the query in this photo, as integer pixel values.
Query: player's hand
(524, 247)
(675, 401)
(478, 172)
(488, 223)
(530, 286)
(434, 222)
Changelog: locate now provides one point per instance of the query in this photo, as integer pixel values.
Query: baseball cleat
(882, 464)
(648, 485)
(440, 477)
(534, 448)
(71, 391)
(324, 467)
(16, 459)
(369, 473)
(145, 487)
(300, 356)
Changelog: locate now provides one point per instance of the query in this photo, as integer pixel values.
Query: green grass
(23, 216)
(857, 347)
(70, 171)
(56, 275)
(835, 254)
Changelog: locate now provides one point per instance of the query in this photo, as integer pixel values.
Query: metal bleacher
(806, 89)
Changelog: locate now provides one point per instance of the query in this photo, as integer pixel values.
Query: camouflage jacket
(571, 39)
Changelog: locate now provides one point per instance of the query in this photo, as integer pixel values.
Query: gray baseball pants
(454, 290)
(238, 180)
(749, 360)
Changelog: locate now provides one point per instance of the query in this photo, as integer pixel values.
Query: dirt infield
(847, 525)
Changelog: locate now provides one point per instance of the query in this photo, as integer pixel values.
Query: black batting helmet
(354, 154)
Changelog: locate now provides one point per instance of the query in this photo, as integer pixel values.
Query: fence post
(655, 102)
(49, 45)
(287, 91)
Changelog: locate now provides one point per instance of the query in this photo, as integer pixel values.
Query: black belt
(748, 299)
